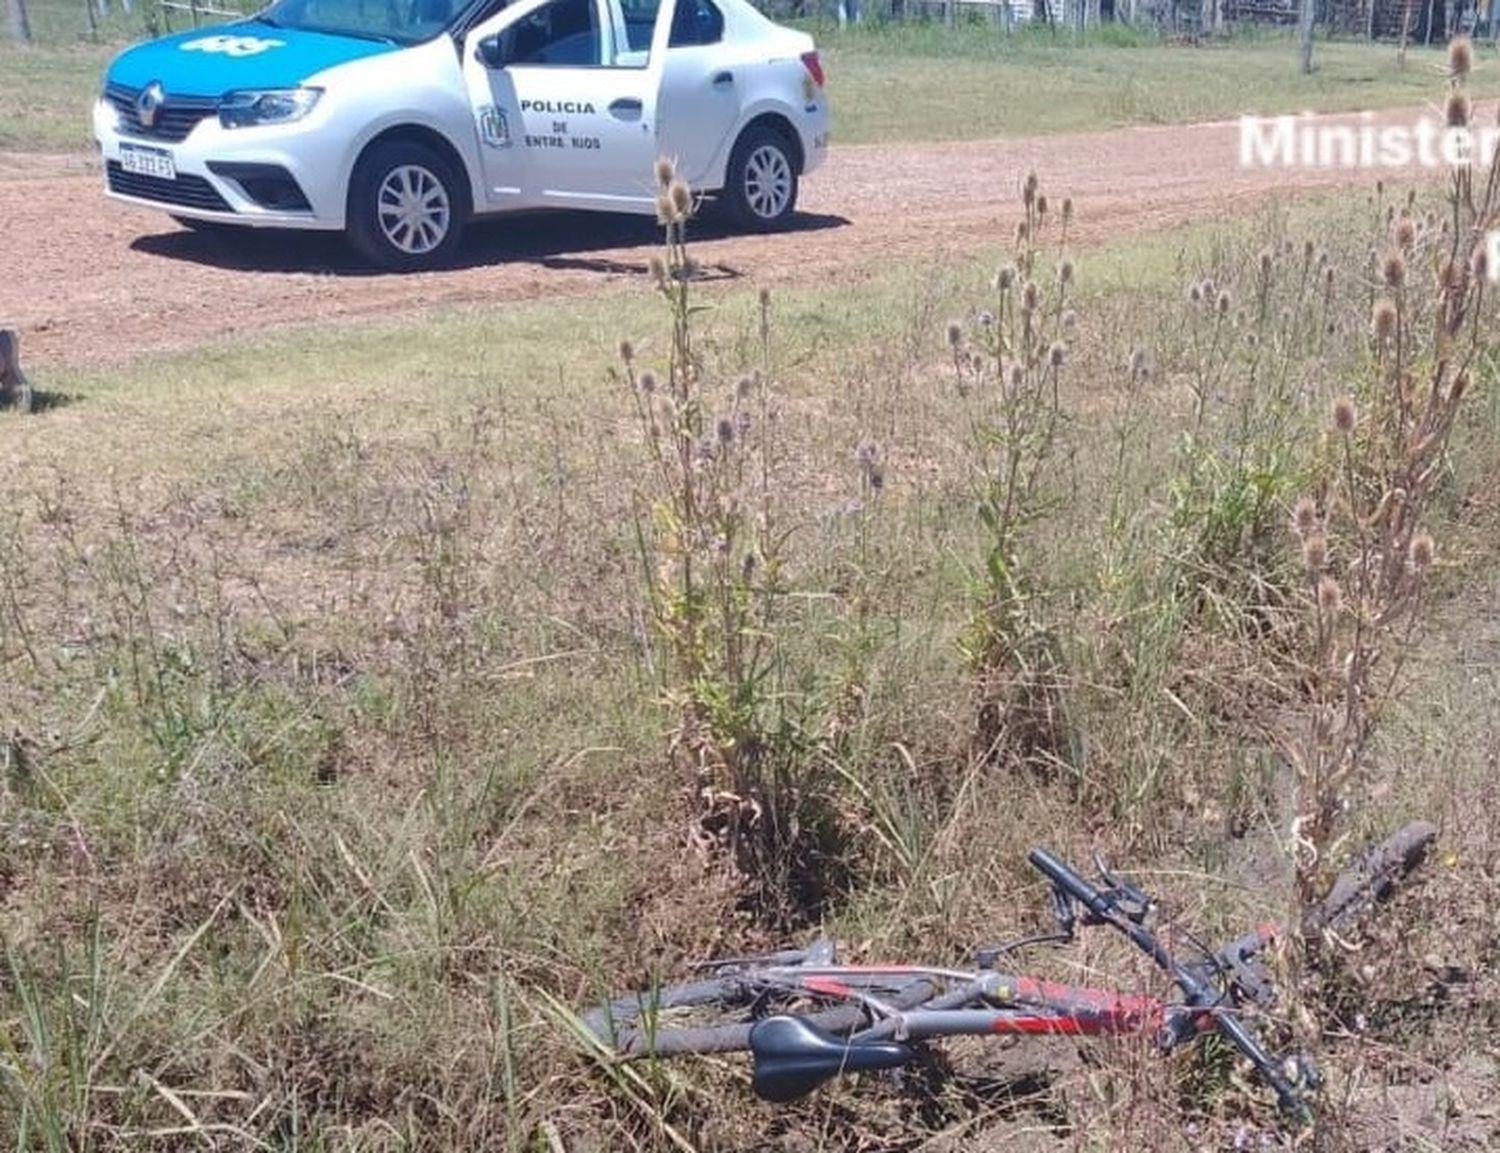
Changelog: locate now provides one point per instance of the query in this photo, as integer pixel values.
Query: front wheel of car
(760, 187)
(406, 207)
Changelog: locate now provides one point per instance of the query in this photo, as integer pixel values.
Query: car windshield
(399, 21)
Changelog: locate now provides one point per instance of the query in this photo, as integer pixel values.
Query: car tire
(760, 185)
(407, 207)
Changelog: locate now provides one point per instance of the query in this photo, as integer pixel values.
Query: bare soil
(98, 282)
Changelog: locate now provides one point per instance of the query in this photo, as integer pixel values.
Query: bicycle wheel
(716, 1016)
(1372, 877)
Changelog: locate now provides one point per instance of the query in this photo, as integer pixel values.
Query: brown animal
(14, 388)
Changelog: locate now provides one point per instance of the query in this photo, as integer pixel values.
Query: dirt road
(91, 281)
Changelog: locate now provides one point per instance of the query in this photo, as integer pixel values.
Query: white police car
(397, 121)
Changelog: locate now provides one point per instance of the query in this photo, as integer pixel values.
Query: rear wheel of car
(760, 187)
(407, 207)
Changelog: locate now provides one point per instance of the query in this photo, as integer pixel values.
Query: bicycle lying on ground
(805, 1018)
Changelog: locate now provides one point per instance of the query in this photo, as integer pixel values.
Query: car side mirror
(490, 52)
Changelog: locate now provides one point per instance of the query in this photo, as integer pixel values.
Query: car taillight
(814, 67)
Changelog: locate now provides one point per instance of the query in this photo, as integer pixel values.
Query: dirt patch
(101, 282)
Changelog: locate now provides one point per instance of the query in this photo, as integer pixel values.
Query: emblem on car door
(494, 129)
(149, 103)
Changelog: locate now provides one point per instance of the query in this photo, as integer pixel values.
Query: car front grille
(187, 191)
(177, 116)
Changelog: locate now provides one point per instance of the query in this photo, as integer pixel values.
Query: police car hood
(245, 54)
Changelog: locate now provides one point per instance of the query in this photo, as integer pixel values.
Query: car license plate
(148, 161)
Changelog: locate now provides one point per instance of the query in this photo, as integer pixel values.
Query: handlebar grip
(1065, 878)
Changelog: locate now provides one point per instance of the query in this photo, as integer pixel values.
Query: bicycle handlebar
(1198, 993)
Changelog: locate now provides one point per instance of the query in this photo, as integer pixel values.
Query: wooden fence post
(14, 388)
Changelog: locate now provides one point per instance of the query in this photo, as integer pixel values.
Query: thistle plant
(1366, 552)
(1008, 371)
(712, 553)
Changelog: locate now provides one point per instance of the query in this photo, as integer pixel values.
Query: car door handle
(721, 79)
(627, 109)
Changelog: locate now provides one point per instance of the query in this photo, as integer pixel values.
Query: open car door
(565, 95)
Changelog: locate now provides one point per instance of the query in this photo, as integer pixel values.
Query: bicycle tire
(615, 1023)
(1372, 877)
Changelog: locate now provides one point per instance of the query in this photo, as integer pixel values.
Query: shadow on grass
(560, 240)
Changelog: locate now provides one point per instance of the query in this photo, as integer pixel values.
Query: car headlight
(266, 106)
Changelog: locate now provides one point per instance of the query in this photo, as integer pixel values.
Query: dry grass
(333, 762)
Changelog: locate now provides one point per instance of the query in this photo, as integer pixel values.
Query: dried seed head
(1221, 306)
(1383, 319)
(744, 386)
(1021, 232)
(1028, 190)
(1138, 362)
(1041, 205)
(647, 382)
(627, 351)
(1266, 258)
(1057, 354)
(1065, 272)
(665, 213)
(1195, 292)
(1308, 248)
(1330, 596)
(1031, 296)
(665, 171)
(866, 453)
(1479, 261)
(682, 198)
(1328, 277)
(724, 427)
(1460, 56)
(1304, 516)
(1322, 261)
(1422, 551)
(1393, 269)
(1405, 233)
(1344, 415)
(1459, 109)
(1017, 376)
(1252, 338)
(1208, 288)
(1005, 277)
(955, 334)
(1315, 551)
(1067, 209)
(1069, 320)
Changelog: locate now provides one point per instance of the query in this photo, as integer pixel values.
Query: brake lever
(1125, 898)
(1064, 913)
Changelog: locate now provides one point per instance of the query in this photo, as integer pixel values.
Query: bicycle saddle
(793, 1057)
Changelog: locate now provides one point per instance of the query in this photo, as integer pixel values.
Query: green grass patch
(927, 83)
